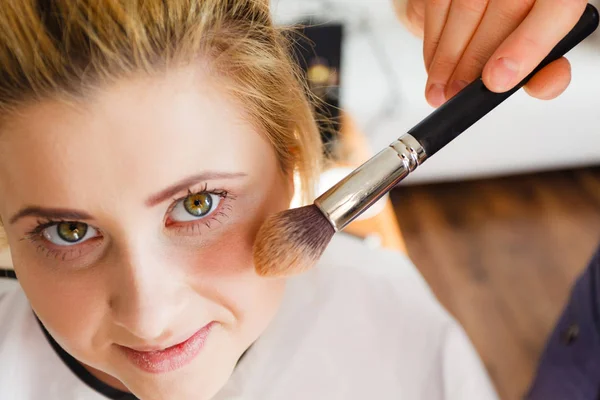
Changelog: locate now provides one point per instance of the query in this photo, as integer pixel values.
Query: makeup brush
(292, 241)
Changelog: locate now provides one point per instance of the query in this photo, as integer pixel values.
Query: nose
(147, 297)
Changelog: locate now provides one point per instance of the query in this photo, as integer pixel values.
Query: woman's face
(131, 218)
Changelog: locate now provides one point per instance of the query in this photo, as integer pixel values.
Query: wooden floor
(501, 255)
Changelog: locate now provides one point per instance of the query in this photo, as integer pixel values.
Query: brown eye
(72, 231)
(199, 204)
(69, 233)
(195, 206)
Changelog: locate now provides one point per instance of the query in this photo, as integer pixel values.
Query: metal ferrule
(368, 183)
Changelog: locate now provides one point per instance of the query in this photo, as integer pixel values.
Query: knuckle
(429, 48)
(526, 4)
(472, 65)
(414, 14)
(467, 72)
(516, 10)
(411, 16)
(441, 67)
(479, 58)
(473, 6)
(529, 42)
(439, 3)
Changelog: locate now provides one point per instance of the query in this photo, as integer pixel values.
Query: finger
(463, 18)
(501, 18)
(415, 12)
(551, 81)
(412, 15)
(436, 13)
(547, 23)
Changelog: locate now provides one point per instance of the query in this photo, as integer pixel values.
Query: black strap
(7, 273)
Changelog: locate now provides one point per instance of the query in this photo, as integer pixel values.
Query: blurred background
(503, 220)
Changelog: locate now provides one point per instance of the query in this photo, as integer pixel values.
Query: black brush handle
(475, 100)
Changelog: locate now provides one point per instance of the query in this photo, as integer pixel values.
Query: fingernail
(456, 87)
(436, 95)
(504, 72)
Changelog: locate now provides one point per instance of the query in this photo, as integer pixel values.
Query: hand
(500, 40)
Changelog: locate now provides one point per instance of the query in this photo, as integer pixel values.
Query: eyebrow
(50, 213)
(165, 194)
(172, 190)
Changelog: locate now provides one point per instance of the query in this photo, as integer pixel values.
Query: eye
(69, 233)
(195, 206)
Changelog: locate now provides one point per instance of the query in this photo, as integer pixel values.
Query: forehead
(140, 134)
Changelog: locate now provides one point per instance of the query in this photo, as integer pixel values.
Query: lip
(159, 360)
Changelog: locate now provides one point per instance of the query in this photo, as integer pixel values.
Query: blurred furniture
(318, 51)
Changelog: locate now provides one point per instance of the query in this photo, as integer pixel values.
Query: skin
(144, 281)
(500, 40)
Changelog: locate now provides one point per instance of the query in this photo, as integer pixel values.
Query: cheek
(51, 293)
(224, 272)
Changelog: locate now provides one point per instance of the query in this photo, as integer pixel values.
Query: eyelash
(48, 249)
(189, 227)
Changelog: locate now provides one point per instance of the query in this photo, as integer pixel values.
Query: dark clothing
(569, 368)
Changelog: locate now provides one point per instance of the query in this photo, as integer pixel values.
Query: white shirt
(363, 324)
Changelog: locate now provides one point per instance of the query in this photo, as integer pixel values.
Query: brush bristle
(291, 242)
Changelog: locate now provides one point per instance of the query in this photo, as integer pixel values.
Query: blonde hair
(52, 48)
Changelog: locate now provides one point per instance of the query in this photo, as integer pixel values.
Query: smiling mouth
(153, 360)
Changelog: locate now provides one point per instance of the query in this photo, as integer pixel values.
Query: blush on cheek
(225, 274)
(233, 283)
(231, 252)
(230, 255)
